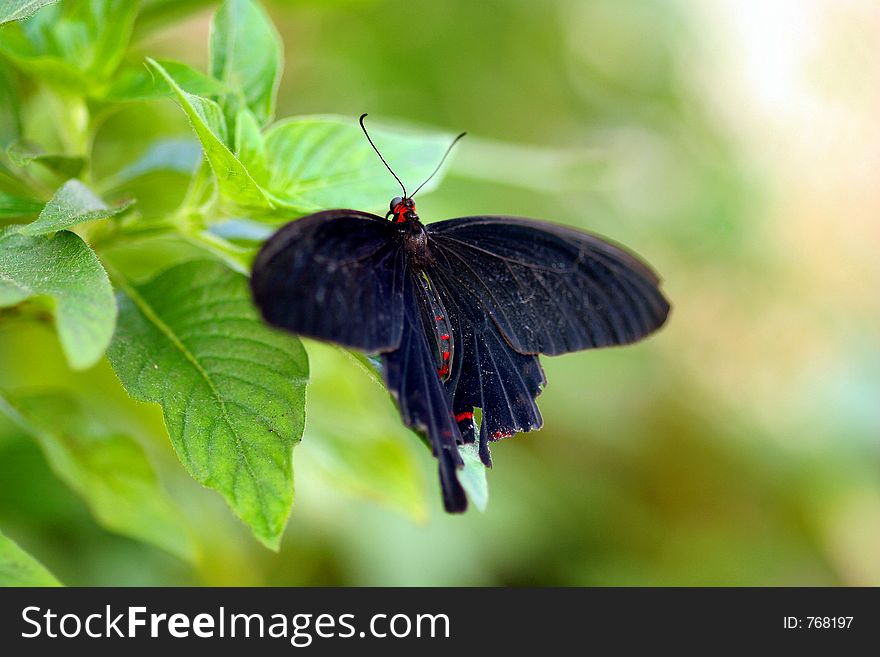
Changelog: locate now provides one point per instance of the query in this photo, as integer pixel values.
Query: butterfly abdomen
(438, 327)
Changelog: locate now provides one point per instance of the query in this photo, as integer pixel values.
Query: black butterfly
(459, 310)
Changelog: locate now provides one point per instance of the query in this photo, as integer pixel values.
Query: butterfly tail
(454, 497)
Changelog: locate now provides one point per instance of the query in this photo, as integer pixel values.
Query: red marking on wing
(443, 371)
(498, 435)
(439, 318)
(445, 355)
(465, 415)
(445, 336)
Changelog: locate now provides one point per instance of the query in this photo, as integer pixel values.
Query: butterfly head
(402, 210)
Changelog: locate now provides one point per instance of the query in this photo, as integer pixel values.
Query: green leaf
(73, 203)
(16, 206)
(206, 118)
(246, 53)
(22, 153)
(250, 148)
(473, 476)
(232, 389)
(16, 10)
(63, 268)
(109, 471)
(323, 162)
(18, 568)
(75, 45)
(137, 83)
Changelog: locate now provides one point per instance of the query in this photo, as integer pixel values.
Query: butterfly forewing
(549, 289)
(336, 276)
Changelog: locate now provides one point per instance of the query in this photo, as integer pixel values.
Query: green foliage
(232, 389)
(246, 55)
(16, 10)
(109, 471)
(18, 568)
(175, 155)
(72, 204)
(16, 206)
(23, 153)
(137, 83)
(10, 121)
(206, 118)
(72, 45)
(179, 329)
(317, 162)
(365, 450)
(63, 268)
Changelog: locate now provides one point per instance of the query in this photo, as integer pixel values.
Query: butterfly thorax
(415, 242)
(402, 212)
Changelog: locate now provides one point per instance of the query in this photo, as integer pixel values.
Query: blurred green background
(734, 145)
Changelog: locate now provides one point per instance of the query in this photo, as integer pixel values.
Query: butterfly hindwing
(488, 374)
(335, 276)
(550, 289)
(412, 377)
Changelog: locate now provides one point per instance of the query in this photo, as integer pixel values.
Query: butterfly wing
(488, 374)
(549, 289)
(335, 276)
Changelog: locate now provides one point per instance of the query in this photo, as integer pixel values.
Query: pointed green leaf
(18, 568)
(110, 472)
(63, 268)
(16, 10)
(246, 53)
(323, 162)
(73, 203)
(232, 389)
(206, 118)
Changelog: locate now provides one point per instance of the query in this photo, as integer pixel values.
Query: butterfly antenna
(442, 160)
(364, 128)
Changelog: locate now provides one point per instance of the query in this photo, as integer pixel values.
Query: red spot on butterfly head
(400, 211)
